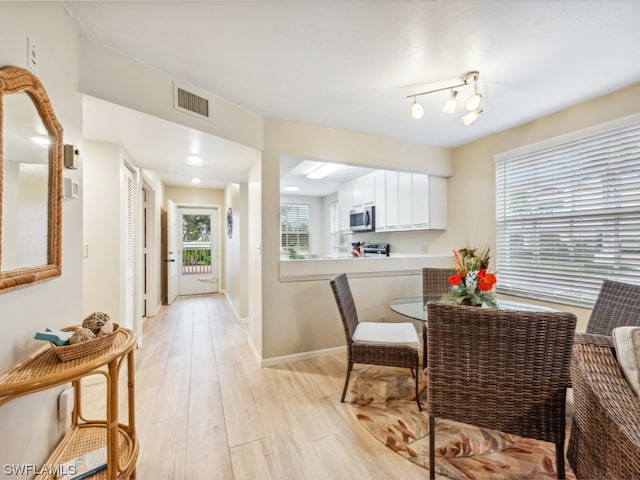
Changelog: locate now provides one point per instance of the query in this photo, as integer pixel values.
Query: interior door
(198, 251)
(172, 252)
(129, 257)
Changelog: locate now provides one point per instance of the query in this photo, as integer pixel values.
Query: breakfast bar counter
(324, 268)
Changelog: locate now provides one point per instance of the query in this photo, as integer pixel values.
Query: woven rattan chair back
(381, 354)
(435, 281)
(617, 305)
(346, 305)
(500, 369)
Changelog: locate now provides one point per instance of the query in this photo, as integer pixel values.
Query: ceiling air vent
(185, 100)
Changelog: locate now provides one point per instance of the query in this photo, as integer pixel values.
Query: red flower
(455, 279)
(486, 280)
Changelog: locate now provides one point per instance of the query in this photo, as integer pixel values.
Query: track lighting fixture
(473, 103)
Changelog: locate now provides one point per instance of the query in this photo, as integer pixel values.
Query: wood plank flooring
(206, 410)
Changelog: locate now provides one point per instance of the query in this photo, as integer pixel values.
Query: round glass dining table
(415, 308)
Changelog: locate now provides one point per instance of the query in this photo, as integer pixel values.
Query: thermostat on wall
(71, 156)
(71, 188)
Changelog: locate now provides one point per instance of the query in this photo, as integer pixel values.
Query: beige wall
(28, 426)
(301, 317)
(235, 259)
(471, 189)
(102, 227)
(149, 90)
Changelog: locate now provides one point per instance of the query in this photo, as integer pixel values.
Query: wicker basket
(71, 352)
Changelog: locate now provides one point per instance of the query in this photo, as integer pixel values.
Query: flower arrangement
(472, 283)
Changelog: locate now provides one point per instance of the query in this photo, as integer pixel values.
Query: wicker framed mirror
(31, 149)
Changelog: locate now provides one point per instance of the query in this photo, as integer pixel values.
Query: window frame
(295, 233)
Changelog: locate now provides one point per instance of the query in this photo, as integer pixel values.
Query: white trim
(233, 309)
(329, 276)
(551, 142)
(296, 357)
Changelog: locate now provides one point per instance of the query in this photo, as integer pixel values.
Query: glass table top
(415, 307)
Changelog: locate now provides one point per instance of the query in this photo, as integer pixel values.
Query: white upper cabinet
(364, 190)
(404, 201)
(380, 199)
(429, 202)
(345, 204)
(391, 184)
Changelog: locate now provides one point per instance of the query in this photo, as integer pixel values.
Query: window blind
(294, 227)
(568, 214)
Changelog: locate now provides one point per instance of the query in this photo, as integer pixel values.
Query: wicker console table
(44, 370)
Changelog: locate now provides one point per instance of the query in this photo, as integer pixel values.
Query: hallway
(206, 410)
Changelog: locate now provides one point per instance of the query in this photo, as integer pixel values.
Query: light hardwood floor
(206, 410)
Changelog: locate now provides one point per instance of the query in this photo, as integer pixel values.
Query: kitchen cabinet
(405, 200)
(44, 370)
(345, 204)
(414, 202)
(429, 201)
(391, 183)
(363, 189)
(380, 199)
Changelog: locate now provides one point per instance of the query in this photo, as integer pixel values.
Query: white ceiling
(351, 64)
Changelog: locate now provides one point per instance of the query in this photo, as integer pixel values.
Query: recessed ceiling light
(194, 161)
(292, 188)
(195, 180)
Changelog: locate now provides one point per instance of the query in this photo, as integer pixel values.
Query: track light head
(471, 117)
(451, 103)
(474, 101)
(416, 109)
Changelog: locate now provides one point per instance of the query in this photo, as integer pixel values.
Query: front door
(198, 251)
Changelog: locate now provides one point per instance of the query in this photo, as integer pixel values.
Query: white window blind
(294, 227)
(568, 214)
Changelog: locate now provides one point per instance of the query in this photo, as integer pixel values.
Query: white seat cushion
(375, 333)
(627, 342)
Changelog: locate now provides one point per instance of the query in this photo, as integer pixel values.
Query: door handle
(169, 260)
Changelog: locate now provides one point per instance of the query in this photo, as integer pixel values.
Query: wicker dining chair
(605, 426)
(617, 305)
(375, 343)
(435, 283)
(499, 369)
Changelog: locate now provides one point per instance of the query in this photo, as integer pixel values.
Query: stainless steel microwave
(363, 219)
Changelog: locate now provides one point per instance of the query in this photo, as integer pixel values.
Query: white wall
(28, 426)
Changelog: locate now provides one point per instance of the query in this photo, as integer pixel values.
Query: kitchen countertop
(323, 268)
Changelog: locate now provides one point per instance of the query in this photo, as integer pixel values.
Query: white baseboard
(233, 309)
(296, 357)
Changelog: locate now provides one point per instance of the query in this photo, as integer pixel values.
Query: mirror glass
(30, 182)
(25, 166)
